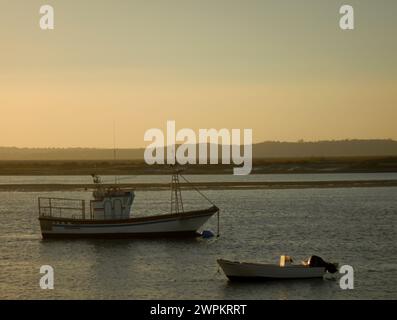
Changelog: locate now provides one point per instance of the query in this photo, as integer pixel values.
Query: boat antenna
(114, 147)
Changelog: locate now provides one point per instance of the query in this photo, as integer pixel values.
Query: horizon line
(300, 141)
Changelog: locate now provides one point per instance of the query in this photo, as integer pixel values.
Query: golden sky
(282, 68)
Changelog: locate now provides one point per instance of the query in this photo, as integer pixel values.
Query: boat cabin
(109, 203)
(112, 203)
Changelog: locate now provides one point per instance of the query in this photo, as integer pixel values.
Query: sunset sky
(283, 68)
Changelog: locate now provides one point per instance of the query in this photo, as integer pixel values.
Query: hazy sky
(282, 68)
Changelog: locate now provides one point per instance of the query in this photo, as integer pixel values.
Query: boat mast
(114, 148)
(176, 195)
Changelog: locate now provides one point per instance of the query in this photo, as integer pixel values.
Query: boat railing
(62, 208)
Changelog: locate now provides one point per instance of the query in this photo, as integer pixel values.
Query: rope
(206, 198)
(203, 195)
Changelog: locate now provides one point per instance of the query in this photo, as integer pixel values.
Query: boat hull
(184, 225)
(255, 271)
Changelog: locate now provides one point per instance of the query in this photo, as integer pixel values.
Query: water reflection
(277, 289)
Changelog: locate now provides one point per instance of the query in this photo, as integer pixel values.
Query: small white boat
(257, 271)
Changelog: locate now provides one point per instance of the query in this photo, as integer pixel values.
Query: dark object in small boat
(206, 234)
(316, 261)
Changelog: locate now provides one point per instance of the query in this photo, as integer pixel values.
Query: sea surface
(296, 177)
(353, 226)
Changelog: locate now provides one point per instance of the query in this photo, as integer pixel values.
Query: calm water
(202, 178)
(351, 226)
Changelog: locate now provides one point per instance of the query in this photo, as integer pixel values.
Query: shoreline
(203, 185)
(139, 167)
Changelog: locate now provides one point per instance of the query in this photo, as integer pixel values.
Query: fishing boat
(108, 215)
(314, 267)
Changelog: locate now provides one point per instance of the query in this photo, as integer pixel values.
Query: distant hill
(12, 153)
(334, 148)
(270, 149)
